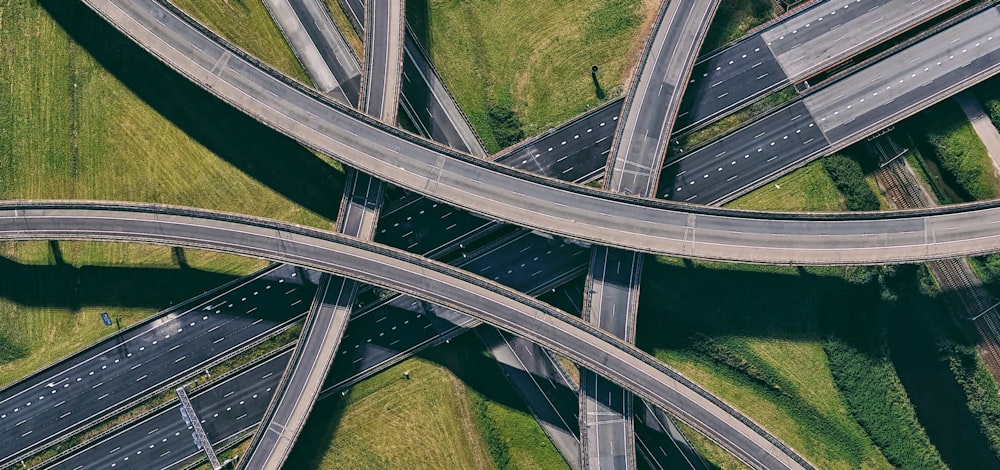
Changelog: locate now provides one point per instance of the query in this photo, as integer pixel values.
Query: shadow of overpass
(262, 153)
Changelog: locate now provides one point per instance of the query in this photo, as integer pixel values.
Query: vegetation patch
(790, 348)
(808, 189)
(849, 178)
(728, 123)
(953, 142)
(529, 57)
(988, 93)
(248, 25)
(734, 19)
(455, 411)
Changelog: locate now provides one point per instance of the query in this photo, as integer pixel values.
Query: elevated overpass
(640, 143)
(413, 275)
(502, 193)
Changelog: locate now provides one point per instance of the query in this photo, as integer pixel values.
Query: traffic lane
(831, 33)
(361, 207)
(146, 327)
(742, 158)
(615, 284)
(318, 24)
(608, 421)
(641, 141)
(911, 76)
(660, 443)
(355, 11)
(530, 263)
(163, 440)
(550, 396)
(574, 152)
(427, 226)
(134, 367)
(430, 115)
(378, 37)
(729, 79)
(434, 282)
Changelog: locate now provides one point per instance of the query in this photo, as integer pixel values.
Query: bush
(505, 124)
(847, 175)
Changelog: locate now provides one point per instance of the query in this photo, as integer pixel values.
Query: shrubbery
(850, 181)
(505, 124)
(960, 151)
(878, 401)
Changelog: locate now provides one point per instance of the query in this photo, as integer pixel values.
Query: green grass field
(807, 189)
(247, 24)
(532, 56)
(761, 347)
(456, 411)
(51, 295)
(89, 115)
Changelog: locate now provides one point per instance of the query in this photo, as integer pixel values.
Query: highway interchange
(828, 106)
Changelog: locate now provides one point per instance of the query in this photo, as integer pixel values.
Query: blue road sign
(106, 318)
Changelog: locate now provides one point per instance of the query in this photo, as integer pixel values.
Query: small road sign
(106, 318)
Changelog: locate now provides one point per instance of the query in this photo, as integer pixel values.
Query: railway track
(956, 278)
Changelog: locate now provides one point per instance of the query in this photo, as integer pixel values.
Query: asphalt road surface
(638, 224)
(794, 48)
(164, 441)
(124, 367)
(652, 103)
(839, 114)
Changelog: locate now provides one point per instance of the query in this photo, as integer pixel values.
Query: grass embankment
(346, 28)
(710, 451)
(808, 189)
(455, 411)
(733, 19)
(988, 93)
(944, 133)
(764, 347)
(732, 121)
(89, 115)
(248, 25)
(519, 67)
(832, 184)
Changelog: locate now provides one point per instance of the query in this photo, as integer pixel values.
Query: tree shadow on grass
(262, 153)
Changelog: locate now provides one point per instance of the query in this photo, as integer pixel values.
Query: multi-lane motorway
(129, 366)
(838, 114)
(792, 50)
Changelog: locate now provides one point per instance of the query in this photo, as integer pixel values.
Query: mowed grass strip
(247, 24)
(808, 189)
(389, 422)
(52, 294)
(533, 56)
